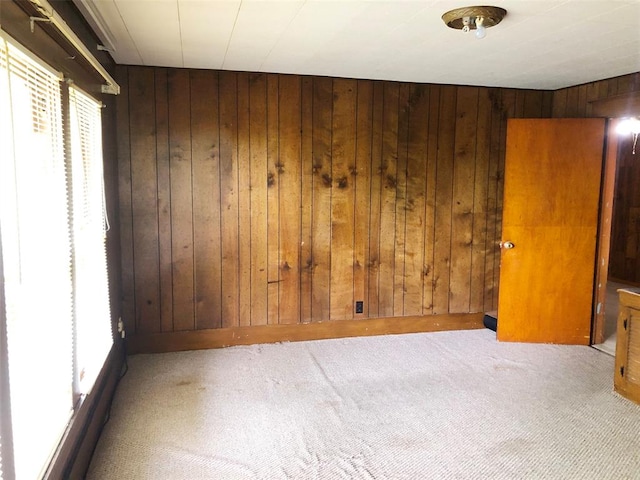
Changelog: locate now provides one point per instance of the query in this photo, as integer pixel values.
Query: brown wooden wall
(624, 258)
(577, 101)
(255, 199)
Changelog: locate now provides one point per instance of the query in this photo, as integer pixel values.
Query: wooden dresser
(627, 371)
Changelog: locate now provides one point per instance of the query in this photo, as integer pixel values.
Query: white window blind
(37, 258)
(89, 226)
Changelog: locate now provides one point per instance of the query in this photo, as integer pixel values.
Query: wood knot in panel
(391, 181)
(342, 182)
(177, 155)
(326, 180)
(415, 97)
(271, 179)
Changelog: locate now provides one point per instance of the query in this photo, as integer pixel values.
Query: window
(37, 259)
(53, 251)
(89, 226)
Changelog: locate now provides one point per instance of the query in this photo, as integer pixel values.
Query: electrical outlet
(121, 328)
(359, 306)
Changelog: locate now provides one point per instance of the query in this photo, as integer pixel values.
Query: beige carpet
(453, 405)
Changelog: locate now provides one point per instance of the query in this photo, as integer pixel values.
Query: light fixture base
(491, 16)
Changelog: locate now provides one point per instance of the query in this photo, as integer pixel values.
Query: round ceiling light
(474, 18)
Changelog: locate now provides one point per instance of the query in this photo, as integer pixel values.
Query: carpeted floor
(453, 405)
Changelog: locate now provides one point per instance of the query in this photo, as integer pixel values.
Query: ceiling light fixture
(474, 18)
(630, 126)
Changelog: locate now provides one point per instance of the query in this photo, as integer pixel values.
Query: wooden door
(553, 174)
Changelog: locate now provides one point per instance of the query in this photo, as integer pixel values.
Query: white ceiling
(540, 44)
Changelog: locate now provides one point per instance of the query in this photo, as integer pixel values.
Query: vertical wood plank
(342, 197)
(306, 253)
(624, 84)
(244, 201)
(572, 102)
(430, 200)
(289, 169)
(125, 206)
(634, 82)
(144, 200)
(593, 92)
(492, 258)
(376, 187)
(388, 174)
(508, 108)
(532, 103)
(206, 198)
(229, 199)
(479, 248)
(464, 170)
(415, 199)
(603, 89)
(547, 104)
(164, 199)
(322, 181)
(619, 219)
(581, 109)
(258, 194)
(401, 200)
(181, 199)
(273, 214)
(612, 86)
(362, 176)
(520, 96)
(443, 201)
(559, 103)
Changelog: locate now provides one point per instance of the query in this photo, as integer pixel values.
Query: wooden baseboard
(226, 337)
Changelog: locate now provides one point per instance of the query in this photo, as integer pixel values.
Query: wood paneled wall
(624, 258)
(259, 199)
(577, 101)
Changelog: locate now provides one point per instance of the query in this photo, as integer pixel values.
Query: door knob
(507, 245)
